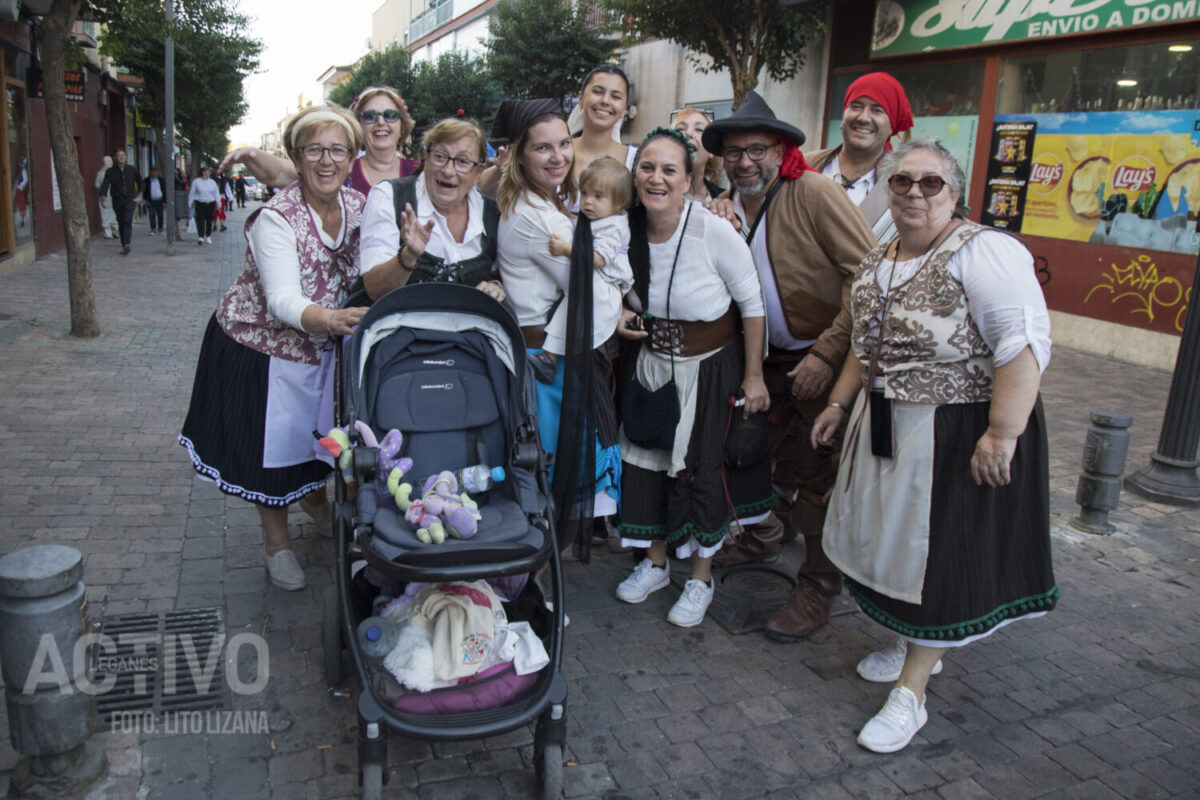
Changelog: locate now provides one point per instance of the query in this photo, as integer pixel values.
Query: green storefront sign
(912, 26)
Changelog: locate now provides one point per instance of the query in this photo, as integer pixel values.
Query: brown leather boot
(818, 583)
(759, 544)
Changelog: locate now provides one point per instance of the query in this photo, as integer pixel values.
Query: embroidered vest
(325, 277)
(932, 350)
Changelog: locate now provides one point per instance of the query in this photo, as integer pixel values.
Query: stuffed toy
(441, 510)
(391, 468)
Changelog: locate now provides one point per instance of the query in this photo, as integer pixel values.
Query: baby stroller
(445, 364)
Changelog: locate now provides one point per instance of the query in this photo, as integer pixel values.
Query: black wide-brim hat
(751, 116)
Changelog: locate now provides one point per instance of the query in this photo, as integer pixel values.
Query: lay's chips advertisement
(1121, 178)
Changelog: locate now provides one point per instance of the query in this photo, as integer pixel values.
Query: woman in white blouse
(435, 226)
(203, 197)
(695, 279)
(575, 413)
(940, 517)
(266, 356)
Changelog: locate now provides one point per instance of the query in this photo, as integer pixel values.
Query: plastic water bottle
(479, 478)
(376, 637)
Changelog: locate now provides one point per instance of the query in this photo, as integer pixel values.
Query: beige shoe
(320, 513)
(285, 571)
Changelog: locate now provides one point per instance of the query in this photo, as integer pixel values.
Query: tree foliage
(545, 48)
(213, 58)
(743, 37)
(454, 82)
(391, 66)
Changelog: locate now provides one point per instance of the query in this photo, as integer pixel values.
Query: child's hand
(559, 246)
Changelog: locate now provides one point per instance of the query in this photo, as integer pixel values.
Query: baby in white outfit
(605, 191)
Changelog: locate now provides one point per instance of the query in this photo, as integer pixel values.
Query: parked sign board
(913, 26)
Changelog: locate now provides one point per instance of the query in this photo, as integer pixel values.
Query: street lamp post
(1171, 476)
(169, 114)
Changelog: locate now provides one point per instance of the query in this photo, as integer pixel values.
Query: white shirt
(777, 329)
(380, 229)
(533, 279)
(610, 241)
(858, 190)
(273, 243)
(714, 266)
(205, 190)
(1003, 294)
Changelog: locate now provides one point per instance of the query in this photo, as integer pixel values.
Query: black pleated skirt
(225, 429)
(705, 497)
(989, 548)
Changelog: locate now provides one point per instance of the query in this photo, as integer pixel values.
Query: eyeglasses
(315, 152)
(371, 117)
(757, 152)
(930, 184)
(461, 163)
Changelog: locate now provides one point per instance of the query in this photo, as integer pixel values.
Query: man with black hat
(807, 238)
(875, 109)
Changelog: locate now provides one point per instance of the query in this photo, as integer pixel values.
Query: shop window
(20, 170)
(945, 103)
(1099, 145)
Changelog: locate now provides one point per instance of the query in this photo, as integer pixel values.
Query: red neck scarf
(793, 165)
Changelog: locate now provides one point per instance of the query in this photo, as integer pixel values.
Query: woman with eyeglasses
(709, 170)
(435, 226)
(266, 355)
(940, 516)
(386, 125)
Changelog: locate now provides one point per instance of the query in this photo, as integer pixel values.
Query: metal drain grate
(174, 661)
(748, 596)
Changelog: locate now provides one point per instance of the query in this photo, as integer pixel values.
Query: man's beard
(750, 187)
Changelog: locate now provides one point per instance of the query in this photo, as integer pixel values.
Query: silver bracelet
(838, 406)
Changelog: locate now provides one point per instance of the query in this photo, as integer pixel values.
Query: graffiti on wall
(1143, 290)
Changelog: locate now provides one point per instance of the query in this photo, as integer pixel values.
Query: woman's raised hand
(414, 235)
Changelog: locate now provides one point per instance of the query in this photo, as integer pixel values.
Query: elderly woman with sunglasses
(265, 359)
(940, 516)
(386, 125)
(435, 226)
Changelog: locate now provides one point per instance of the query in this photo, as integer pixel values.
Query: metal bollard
(1099, 489)
(42, 609)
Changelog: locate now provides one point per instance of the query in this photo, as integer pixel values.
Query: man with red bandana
(807, 238)
(875, 110)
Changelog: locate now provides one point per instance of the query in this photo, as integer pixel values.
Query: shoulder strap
(403, 192)
(491, 224)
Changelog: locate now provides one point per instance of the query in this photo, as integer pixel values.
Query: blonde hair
(713, 167)
(317, 119)
(609, 176)
(452, 129)
(406, 121)
(514, 183)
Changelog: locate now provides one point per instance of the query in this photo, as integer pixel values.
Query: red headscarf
(887, 91)
(793, 165)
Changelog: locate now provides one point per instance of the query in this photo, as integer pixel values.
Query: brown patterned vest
(932, 351)
(325, 276)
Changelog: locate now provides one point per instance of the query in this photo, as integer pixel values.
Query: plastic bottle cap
(374, 634)
(498, 474)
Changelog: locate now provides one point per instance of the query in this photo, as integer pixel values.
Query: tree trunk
(56, 28)
(742, 83)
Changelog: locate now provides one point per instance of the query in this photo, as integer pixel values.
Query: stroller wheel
(372, 781)
(551, 774)
(331, 638)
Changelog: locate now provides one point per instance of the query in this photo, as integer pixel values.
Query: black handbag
(651, 417)
(748, 440)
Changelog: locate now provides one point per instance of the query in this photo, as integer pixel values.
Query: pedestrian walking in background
(203, 197)
(21, 191)
(153, 194)
(108, 220)
(940, 516)
(239, 190)
(266, 356)
(123, 184)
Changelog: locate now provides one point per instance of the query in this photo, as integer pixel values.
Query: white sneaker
(208, 240)
(896, 723)
(689, 609)
(285, 571)
(645, 581)
(320, 513)
(883, 666)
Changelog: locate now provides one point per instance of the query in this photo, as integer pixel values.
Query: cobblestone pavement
(1099, 699)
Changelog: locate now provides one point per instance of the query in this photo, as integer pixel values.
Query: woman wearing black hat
(575, 413)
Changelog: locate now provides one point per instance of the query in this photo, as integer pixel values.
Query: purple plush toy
(440, 511)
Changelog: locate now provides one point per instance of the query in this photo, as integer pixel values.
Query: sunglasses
(371, 117)
(930, 184)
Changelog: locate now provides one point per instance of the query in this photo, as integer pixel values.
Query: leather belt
(691, 338)
(535, 336)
